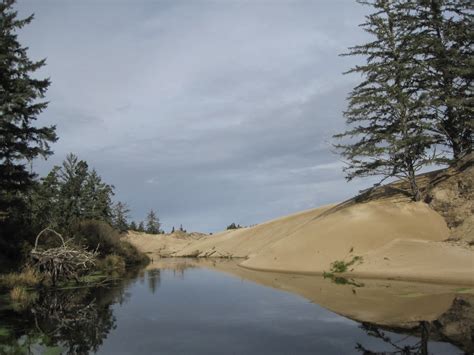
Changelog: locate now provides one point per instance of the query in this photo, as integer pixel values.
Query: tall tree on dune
(441, 44)
(389, 134)
(153, 224)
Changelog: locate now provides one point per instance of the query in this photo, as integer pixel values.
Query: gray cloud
(208, 111)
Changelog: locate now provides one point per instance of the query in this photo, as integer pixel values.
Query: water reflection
(154, 279)
(68, 321)
(85, 320)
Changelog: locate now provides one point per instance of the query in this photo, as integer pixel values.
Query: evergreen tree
(387, 112)
(152, 223)
(21, 139)
(97, 195)
(441, 44)
(133, 226)
(70, 193)
(73, 176)
(172, 230)
(120, 216)
(141, 226)
(46, 203)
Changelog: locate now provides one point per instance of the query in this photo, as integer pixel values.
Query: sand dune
(391, 237)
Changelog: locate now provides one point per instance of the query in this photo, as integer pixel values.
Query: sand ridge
(390, 236)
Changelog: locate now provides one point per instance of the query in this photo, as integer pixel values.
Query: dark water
(192, 311)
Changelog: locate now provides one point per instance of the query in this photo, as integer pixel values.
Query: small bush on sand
(340, 266)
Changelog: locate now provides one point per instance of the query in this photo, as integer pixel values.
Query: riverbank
(383, 235)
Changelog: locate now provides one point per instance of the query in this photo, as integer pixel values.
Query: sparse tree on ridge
(390, 134)
(120, 216)
(441, 44)
(97, 198)
(133, 226)
(152, 223)
(141, 227)
(233, 226)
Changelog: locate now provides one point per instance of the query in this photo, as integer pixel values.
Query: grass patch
(112, 264)
(21, 298)
(464, 290)
(4, 332)
(340, 266)
(26, 278)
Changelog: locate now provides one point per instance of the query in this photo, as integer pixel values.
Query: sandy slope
(396, 239)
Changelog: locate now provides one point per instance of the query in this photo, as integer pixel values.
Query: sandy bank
(387, 235)
(402, 240)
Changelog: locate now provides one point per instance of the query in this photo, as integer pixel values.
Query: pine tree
(97, 197)
(442, 45)
(46, 203)
(387, 112)
(172, 230)
(21, 139)
(133, 226)
(71, 193)
(152, 223)
(73, 176)
(141, 226)
(120, 216)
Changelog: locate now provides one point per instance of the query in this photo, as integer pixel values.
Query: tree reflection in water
(154, 279)
(455, 326)
(71, 321)
(419, 348)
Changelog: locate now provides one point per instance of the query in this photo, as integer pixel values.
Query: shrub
(98, 234)
(21, 298)
(112, 264)
(233, 226)
(18, 294)
(27, 278)
(340, 266)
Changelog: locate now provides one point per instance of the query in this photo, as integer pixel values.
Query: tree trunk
(415, 190)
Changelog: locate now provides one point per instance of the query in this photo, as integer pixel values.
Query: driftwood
(64, 262)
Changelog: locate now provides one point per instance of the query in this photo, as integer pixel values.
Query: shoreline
(372, 276)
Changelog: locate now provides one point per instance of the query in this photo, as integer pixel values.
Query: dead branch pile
(65, 262)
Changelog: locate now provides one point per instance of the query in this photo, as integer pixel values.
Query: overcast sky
(210, 112)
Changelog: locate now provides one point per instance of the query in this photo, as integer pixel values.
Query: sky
(209, 112)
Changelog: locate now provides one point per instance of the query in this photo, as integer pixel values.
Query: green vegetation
(415, 97)
(233, 226)
(340, 266)
(71, 199)
(342, 280)
(99, 233)
(152, 223)
(113, 264)
(120, 216)
(26, 278)
(21, 297)
(22, 137)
